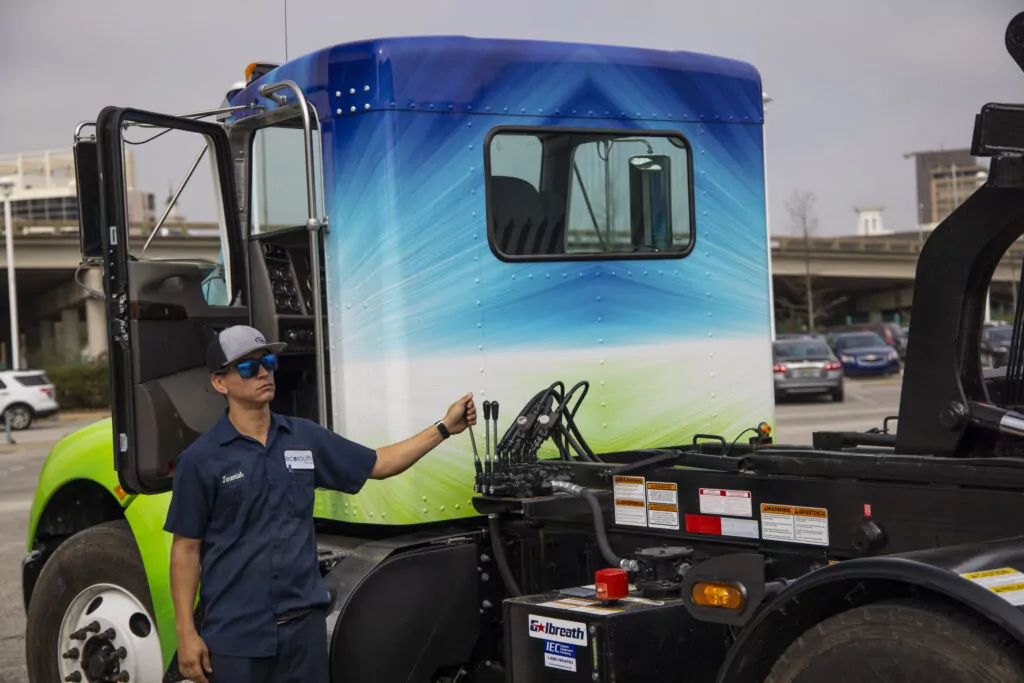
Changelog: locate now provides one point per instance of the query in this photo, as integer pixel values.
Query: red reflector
(781, 368)
(867, 509)
(833, 365)
(703, 524)
(611, 584)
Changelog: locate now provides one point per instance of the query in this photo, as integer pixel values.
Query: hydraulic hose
(499, 556)
(602, 537)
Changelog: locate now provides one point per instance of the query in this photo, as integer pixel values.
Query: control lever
(494, 414)
(487, 446)
(476, 461)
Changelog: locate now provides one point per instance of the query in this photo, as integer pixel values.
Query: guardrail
(22, 227)
(880, 246)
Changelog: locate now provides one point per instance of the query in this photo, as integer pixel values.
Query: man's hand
(461, 414)
(193, 658)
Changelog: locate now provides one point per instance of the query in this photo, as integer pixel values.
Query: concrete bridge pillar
(47, 341)
(95, 317)
(70, 333)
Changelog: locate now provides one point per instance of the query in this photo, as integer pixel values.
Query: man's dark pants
(301, 656)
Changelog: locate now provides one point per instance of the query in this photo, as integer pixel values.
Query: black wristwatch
(441, 428)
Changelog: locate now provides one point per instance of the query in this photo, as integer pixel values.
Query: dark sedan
(995, 345)
(806, 366)
(865, 353)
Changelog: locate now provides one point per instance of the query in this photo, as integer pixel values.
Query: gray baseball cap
(234, 343)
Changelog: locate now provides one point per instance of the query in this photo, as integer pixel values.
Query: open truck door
(163, 311)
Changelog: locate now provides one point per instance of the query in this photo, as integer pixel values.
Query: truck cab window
(518, 156)
(572, 193)
(186, 225)
(279, 178)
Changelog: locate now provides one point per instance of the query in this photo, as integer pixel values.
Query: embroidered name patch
(228, 478)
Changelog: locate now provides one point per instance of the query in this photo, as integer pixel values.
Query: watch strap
(441, 428)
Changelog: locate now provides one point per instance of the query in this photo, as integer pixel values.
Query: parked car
(26, 395)
(891, 334)
(865, 353)
(806, 366)
(995, 345)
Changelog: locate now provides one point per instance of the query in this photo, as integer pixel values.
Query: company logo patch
(260, 339)
(228, 478)
(571, 632)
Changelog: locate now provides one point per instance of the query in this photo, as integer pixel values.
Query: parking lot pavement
(19, 469)
(868, 402)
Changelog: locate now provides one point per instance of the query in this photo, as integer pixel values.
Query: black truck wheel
(90, 617)
(899, 641)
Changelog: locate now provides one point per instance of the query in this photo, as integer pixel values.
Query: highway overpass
(852, 277)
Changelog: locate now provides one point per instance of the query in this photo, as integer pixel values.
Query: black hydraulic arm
(943, 370)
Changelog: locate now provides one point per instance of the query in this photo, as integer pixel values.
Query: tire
(839, 395)
(96, 574)
(899, 641)
(19, 416)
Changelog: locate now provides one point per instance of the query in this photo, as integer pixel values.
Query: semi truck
(577, 233)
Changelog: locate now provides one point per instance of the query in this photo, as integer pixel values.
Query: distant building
(869, 220)
(44, 188)
(945, 178)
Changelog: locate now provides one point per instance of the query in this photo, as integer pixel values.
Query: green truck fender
(83, 461)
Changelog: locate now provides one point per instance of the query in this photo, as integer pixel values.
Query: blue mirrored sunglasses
(250, 368)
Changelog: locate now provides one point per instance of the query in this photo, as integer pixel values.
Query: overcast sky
(855, 84)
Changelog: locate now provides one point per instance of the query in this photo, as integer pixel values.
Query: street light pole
(12, 293)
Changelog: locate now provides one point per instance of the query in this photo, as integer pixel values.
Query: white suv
(24, 396)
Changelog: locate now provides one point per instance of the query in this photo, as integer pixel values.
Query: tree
(800, 207)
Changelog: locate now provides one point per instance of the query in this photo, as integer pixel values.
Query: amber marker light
(715, 594)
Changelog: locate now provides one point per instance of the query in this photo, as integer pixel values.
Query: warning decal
(794, 524)
(630, 501)
(1007, 583)
(662, 505)
(725, 502)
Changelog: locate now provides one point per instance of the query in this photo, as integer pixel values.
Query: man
(242, 512)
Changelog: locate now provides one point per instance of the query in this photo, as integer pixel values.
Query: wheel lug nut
(83, 633)
(123, 676)
(121, 652)
(107, 635)
(73, 677)
(71, 654)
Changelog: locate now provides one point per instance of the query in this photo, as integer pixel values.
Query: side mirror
(87, 180)
(650, 202)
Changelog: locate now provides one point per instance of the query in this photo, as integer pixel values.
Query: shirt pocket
(302, 487)
(233, 487)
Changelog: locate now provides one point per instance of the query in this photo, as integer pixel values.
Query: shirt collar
(224, 432)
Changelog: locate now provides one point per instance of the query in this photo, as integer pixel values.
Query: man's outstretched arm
(398, 457)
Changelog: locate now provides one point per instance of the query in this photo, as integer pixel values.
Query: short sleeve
(191, 500)
(341, 464)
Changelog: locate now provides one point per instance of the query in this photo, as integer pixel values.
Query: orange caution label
(811, 512)
(658, 486)
(639, 481)
(776, 509)
(662, 508)
(630, 503)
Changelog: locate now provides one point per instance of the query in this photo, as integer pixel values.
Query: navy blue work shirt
(253, 509)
